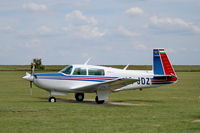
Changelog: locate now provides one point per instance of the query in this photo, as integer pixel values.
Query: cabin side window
(79, 71)
(96, 72)
(67, 70)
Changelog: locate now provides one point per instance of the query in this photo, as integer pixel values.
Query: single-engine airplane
(80, 79)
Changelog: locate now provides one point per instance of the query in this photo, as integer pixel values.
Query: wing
(109, 85)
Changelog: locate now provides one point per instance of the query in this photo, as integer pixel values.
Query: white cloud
(35, 7)
(108, 48)
(64, 53)
(5, 28)
(84, 31)
(68, 28)
(85, 55)
(45, 30)
(40, 31)
(173, 24)
(134, 11)
(90, 32)
(171, 50)
(35, 42)
(81, 25)
(77, 16)
(170, 21)
(183, 49)
(126, 32)
(140, 46)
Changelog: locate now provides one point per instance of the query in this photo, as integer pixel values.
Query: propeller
(30, 77)
(32, 72)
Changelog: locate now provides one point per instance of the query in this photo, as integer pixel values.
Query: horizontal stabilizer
(164, 75)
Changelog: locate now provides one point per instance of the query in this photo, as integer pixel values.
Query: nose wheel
(79, 97)
(52, 99)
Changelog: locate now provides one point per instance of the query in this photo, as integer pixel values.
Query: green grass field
(167, 109)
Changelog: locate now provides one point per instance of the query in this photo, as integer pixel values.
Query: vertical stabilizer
(161, 63)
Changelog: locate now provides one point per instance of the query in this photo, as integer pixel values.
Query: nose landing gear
(52, 99)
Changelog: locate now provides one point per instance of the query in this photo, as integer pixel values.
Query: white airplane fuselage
(80, 79)
(68, 83)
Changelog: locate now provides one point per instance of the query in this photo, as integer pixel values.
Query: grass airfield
(167, 109)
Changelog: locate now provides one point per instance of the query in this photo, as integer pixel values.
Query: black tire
(99, 101)
(79, 97)
(52, 99)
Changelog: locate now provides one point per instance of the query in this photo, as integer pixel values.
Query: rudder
(161, 63)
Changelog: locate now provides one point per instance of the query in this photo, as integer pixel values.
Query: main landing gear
(99, 101)
(52, 99)
(79, 97)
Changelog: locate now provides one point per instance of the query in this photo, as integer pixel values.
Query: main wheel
(79, 97)
(52, 99)
(99, 101)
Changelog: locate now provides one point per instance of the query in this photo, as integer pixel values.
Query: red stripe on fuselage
(158, 80)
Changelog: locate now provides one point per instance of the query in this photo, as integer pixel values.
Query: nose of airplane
(28, 77)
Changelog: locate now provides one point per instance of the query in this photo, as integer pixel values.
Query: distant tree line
(38, 64)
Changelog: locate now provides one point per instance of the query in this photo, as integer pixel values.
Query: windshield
(67, 70)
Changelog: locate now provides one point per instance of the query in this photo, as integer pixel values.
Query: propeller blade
(32, 68)
(31, 84)
(31, 91)
(32, 72)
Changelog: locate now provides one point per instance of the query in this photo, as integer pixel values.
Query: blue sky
(108, 31)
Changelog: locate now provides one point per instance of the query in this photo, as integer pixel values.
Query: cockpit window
(67, 70)
(96, 72)
(79, 71)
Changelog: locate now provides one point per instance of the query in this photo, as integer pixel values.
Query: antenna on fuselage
(126, 67)
(87, 61)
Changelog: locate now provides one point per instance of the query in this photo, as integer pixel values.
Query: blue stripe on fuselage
(49, 74)
(61, 76)
(75, 79)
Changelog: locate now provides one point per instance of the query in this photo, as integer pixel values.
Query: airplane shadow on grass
(137, 100)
